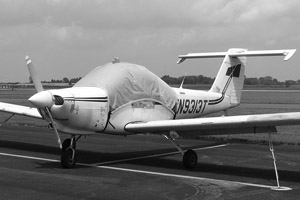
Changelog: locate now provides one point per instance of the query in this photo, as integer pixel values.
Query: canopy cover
(126, 82)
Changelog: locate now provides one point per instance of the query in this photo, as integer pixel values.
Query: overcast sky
(68, 38)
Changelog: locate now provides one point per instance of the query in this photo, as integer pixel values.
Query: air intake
(58, 100)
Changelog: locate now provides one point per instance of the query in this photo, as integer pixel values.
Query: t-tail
(230, 78)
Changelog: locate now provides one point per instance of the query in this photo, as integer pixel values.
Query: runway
(141, 167)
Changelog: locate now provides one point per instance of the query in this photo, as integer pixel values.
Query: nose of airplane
(41, 99)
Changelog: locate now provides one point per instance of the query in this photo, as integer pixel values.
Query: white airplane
(124, 99)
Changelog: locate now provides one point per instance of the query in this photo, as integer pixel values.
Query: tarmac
(141, 167)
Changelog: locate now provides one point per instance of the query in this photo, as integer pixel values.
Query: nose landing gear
(68, 154)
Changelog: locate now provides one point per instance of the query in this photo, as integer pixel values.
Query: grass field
(253, 102)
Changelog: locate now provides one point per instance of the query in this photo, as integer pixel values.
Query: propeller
(43, 100)
(35, 78)
(54, 127)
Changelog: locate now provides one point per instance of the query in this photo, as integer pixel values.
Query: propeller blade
(35, 78)
(54, 127)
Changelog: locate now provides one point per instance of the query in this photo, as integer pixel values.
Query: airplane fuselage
(197, 103)
(85, 110)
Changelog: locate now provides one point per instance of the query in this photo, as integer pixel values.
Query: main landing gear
(190, 157)
(68, 154)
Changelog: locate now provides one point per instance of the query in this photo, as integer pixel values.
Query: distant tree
(56, 81)
(288, 83)
(66, 80)
(171, 80)
(275, 81)
(251, 81)
(74, 80)
(188, 79)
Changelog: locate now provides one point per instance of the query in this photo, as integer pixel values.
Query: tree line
(200, 79)
(64, 80)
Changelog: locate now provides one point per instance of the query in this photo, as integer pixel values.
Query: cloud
(137, 29)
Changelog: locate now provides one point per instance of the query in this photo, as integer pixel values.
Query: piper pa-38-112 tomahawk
(124, 99)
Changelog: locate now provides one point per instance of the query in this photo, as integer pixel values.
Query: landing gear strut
(190, 157)
(68, 154)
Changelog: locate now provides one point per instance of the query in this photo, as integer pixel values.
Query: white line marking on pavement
(156, 155)
(28, 157)
(145, 172)
(187, 177)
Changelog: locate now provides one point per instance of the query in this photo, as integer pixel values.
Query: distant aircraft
(124, 99)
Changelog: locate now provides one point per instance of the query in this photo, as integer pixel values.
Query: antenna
(182, 81)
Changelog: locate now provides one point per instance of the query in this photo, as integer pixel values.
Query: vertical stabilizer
(230, 78)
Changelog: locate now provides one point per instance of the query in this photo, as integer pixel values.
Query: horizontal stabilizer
(288, 53)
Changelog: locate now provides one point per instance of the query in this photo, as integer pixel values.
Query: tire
(67, 159)
(190, 159)
(66, 144)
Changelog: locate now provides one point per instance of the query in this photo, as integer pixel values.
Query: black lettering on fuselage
(191, 106)
(193, 102)
(205, 102)
(181, 105)
(199, 107)
(186, 106)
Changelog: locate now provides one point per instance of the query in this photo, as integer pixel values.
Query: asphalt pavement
(141, 167)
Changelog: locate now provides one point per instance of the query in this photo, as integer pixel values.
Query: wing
(261, 123)
(20, 110)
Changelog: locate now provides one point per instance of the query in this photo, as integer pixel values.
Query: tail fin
(230, 78)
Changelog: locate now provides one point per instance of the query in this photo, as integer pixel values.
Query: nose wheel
(68, 154)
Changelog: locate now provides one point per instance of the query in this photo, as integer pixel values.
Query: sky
(68, 38)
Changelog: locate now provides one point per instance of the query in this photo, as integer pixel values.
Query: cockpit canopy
(126, 82)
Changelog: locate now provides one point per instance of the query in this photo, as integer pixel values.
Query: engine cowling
(77, 109)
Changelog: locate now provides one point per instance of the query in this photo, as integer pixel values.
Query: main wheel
(66, 144)
(68, 158)
(190, 159)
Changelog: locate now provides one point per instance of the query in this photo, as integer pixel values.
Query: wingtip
(180, 60)
(288, 54)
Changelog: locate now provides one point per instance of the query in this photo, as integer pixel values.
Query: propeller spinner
(42, 99)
